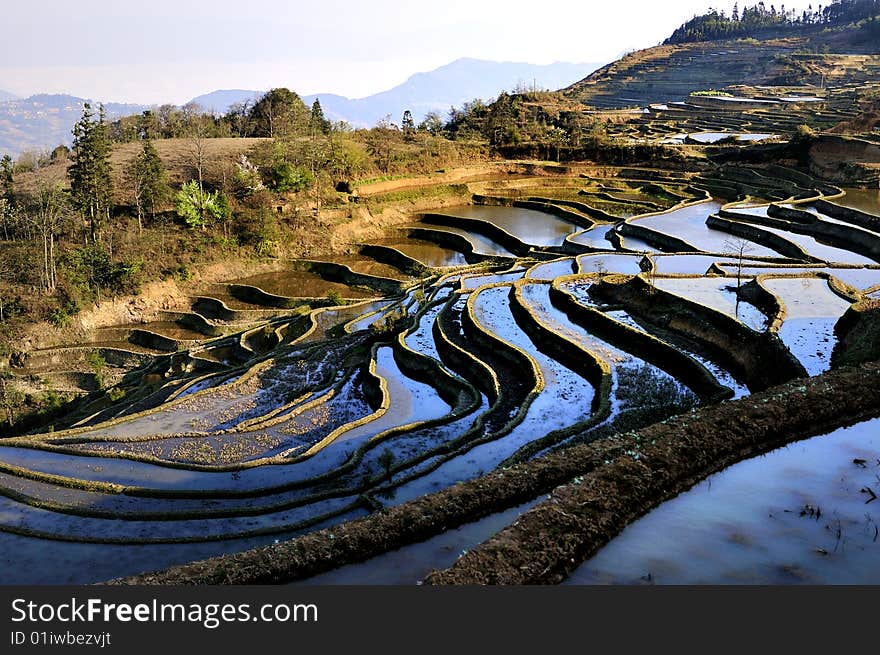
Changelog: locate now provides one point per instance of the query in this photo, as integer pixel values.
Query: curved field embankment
(611, 487)
(650, 348)
(656, 464)
(471, 362)
(727, 221)
(485, 228)
(760, 358)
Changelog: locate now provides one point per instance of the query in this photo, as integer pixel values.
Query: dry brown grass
(178, 156)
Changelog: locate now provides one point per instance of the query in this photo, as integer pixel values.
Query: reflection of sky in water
(689, 225)
(410, 564)
(812, 309)
(482, 245)
(25, 558)
(627, 264)
(594, 237)
(744, 525)
(530, 226)
(552, 270)
(717, 293)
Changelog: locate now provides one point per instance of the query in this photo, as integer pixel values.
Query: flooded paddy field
(810, 245)
(689, 225)
(248, 422)
(812, 310)
(796, 515)
(718, 294)
(595, 237)
(528, 225)
(866, 200)
(301, 284)
(481, 245)
(610, 263)
(410, 564)
(425, 252)
(715, 137)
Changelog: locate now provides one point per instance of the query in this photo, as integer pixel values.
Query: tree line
(73, 212)
(74, 222)
(760, 20)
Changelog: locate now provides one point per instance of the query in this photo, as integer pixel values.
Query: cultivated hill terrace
(281, 347)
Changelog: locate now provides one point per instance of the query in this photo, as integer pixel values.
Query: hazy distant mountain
(5, 95)
(42, 122)
(219, 102)
(437, 90)
(450, 85)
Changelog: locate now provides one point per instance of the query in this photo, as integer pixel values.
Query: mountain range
(437, 90)
(43, 121)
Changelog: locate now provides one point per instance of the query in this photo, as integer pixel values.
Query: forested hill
(860, 17)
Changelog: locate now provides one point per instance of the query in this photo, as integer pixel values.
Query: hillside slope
(669, 73)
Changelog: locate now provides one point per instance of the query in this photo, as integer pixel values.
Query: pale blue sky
(172, 50)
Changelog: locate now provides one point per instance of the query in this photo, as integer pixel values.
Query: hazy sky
(172, 50)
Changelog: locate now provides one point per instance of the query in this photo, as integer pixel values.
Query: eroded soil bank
(606, 484)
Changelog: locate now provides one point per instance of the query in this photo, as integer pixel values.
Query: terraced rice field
(277, 411)
(300, 284)
(793, 516)
(866, 200)
(530, 226)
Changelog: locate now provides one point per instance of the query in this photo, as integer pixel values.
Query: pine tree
(148, 181)
(7, 180)
(317, 122)
(91, 183)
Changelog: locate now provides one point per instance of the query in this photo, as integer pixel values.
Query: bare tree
(380, 143)
(741, 247)
(239, 117)
(47, 214)
(197, 134)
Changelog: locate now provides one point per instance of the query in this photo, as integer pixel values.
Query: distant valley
(44, 121)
